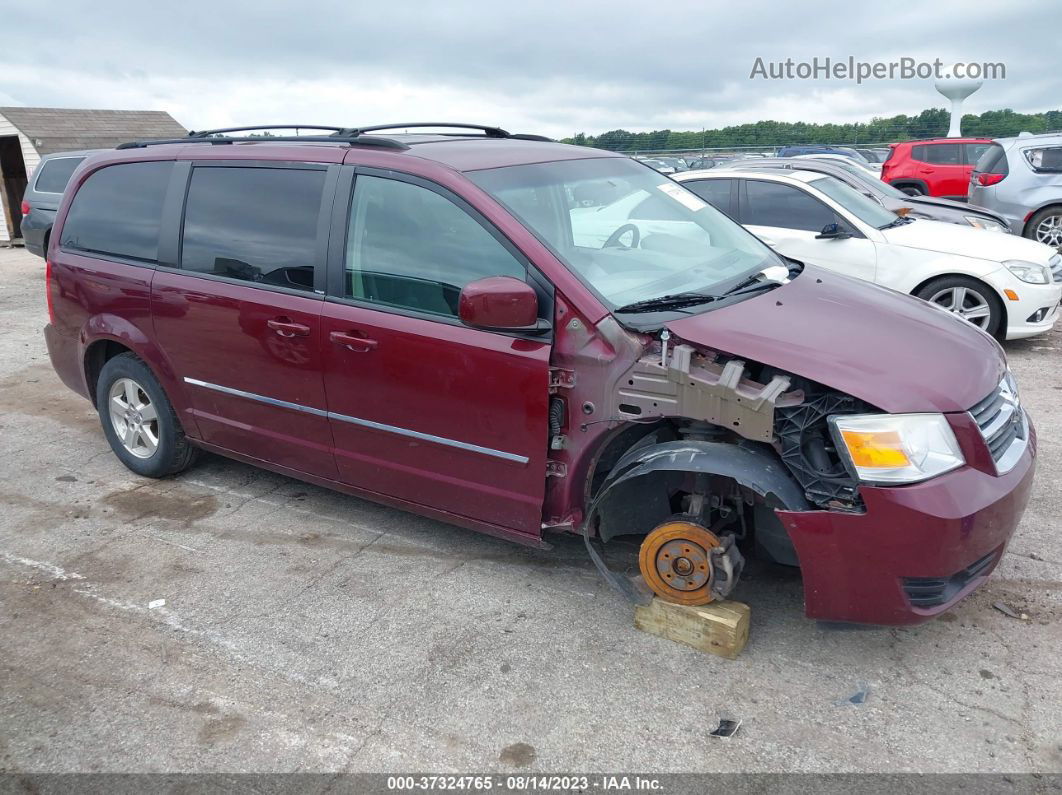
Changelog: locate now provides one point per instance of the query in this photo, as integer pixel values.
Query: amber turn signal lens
(1013, 296)
(875, 449)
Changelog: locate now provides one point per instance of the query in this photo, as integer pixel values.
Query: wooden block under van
(720, 628)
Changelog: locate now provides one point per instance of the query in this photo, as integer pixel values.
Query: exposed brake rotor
(676, 562)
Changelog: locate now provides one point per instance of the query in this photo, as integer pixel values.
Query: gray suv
(43, 194)
(1021, 179)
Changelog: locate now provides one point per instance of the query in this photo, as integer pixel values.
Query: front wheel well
(97, 355)
(705, 475)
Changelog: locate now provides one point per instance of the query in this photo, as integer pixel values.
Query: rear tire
(912, 190)
(139, 421)
(967, 298)
(1046, 227)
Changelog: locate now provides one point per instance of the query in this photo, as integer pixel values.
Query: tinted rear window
(117, 211)
(54, 174)
(254, 224)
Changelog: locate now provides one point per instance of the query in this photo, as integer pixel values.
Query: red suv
(937, 167)
(524, 338)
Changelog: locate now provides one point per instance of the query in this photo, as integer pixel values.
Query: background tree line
(930, 123)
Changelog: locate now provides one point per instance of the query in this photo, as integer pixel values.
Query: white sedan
(1006, 285)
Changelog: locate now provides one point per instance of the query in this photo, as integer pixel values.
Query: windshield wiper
(665, 302)
(681, 300)
(901, 221)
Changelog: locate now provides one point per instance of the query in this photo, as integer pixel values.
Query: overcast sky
(527, 65)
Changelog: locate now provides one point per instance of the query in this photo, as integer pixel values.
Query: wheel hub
(134, 418)
(675, 561)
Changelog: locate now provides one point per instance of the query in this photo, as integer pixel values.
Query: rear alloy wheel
(675, 561)
(134, 418)
(967, 298)
(1046, 227)
(138, 419)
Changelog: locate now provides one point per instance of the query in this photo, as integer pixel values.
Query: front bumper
(1032, 298)
(869, 567)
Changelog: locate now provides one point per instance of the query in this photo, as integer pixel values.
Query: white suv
(1008, 286)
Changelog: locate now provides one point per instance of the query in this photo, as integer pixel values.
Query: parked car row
(522, 337)
(1005, 285)
(886, 195)
(1021, 179)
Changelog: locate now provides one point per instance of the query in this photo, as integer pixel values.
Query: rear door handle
(286, 327)
(352, 342)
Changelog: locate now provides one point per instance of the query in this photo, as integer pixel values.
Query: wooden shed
(28, 133)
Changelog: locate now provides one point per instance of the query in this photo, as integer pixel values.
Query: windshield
(866, 210)
(626, 231)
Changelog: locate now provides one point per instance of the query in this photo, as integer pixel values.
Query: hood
(891, 350)
(966, 241)
(951, 204)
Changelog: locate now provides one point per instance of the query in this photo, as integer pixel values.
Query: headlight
(897, 448)
(985, 223)
(1029, 272)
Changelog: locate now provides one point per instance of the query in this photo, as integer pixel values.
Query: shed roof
(65, 129)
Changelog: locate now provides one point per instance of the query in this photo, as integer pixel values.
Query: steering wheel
(614, 239)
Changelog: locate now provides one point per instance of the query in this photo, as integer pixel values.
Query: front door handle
(286, 327)
(352, 342)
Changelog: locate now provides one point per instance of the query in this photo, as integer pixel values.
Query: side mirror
(500, 303)
(832, 232)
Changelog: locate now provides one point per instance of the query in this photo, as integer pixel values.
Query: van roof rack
(343, 135)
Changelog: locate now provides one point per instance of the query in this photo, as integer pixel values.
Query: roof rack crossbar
(489, 131)
(353, 136)
(222, 130)
(337, 138)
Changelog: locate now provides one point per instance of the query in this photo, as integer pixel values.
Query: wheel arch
(900, 182)
(749, 464)
(753, 465)
(1025, 228)
(106, 336)
(992, 292)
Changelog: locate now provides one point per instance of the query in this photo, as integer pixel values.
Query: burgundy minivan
(522, 338)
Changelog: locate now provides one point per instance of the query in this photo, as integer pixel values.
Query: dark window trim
(175, 207)
(103, 256)
(312, 295)
(337, 244)
(847, 225)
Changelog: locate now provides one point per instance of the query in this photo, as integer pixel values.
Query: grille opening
(1001, 420)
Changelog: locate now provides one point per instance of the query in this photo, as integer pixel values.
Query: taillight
(48, 290)
(25, 208)
(989, 179)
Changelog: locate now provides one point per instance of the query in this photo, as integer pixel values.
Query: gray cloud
(560, 67)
